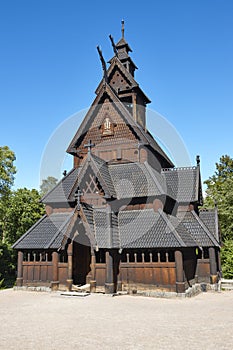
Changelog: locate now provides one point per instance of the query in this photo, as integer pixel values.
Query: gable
(90, 184)
(137, 133)
(105, 128)
(118, 81)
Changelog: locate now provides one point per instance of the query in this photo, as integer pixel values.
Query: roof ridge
(180, 168)
(59, 229)
(169, 224)
(139, 210)
(149, 168)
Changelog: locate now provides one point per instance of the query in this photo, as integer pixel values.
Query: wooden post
(180, 284)
(213, 266)
(19, 280)
(55, 281)
(93, 280)
(69, 280)
(109, 282)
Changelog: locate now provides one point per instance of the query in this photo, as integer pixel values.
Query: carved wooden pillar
(69, 280)
(55, 281)
(93, 280)
(213, 266)
(19, 280)
(180, 284)
(109, 281)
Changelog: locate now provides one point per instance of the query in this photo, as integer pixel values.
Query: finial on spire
(198, 160)
(123, 28)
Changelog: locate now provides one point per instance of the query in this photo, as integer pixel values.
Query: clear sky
(49, 70)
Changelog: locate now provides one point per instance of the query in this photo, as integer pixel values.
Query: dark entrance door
(81, 257)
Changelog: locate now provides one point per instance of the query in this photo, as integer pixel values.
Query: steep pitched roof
(106, 236)
(142, 135)
(61, 192)
(132, 180)
(47, 233)
(147, 229)
(184, 183)
(197, 228)
(116, 63)
(210, 219)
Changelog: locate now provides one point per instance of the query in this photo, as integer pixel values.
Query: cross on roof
(78, 194)
(89, 145)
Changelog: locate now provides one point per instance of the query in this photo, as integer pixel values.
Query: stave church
(124, 218)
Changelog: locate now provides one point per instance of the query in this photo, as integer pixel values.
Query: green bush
(227, 259)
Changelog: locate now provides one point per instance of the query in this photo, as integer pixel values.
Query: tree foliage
(7, 170)
(220, 191)
(23, 210)
(227, 258)
(47, 185)
(19, 210)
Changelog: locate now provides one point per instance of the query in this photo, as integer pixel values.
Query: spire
(123, 50)
(123, 28)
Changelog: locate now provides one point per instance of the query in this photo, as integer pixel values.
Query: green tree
(23, 210)
(47, 185)
(220, 191)
(7, 170)
(227, 258)
(20, 211)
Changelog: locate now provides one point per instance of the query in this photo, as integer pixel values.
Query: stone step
(226, 284)
(75, 294)
(83, 288)
(224, 280)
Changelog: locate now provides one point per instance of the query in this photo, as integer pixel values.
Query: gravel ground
(39, 320)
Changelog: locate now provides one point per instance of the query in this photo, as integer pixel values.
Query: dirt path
(34, 320)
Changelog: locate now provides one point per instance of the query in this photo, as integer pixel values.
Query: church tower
(116, 120)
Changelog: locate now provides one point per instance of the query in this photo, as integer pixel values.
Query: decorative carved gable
(118, 81)
(108, 126)
(92, 190)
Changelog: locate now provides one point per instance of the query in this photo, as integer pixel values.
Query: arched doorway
(81, 255)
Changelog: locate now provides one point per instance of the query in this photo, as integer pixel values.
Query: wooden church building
(124, 217)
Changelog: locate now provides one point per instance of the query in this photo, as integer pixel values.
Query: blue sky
(50, 70)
